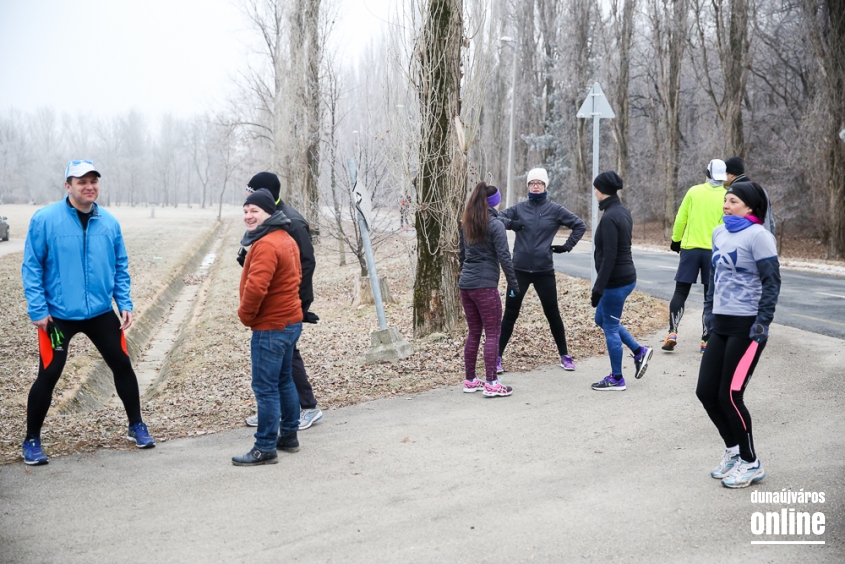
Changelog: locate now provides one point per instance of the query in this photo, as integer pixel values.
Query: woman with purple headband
(484, 247)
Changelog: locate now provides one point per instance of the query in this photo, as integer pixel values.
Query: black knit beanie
(263, 199)
(734, 166)
(608, 183)
(268, 181)
(753, 195)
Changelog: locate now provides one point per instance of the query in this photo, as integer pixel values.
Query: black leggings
(546, 287)
(104, 331)
(721, 390)
(676, 308)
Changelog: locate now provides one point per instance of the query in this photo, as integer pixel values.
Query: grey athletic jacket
(480, 262)
(541, 218)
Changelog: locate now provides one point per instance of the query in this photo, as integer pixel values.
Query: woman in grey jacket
(536, 222)
(483, 248)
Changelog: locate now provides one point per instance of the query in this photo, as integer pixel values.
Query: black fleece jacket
(614, 263)
(298, 229)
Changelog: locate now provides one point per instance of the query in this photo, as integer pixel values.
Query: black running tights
(546, 287)
(720, 390)
(676, 308)
(104, 331)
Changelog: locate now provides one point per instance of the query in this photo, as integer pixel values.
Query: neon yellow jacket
(700, 213)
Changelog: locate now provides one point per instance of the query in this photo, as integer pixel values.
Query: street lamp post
(509, 201)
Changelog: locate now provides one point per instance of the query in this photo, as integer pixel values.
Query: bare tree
(825, 22)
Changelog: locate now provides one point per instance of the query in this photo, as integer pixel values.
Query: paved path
(11, 246)
(814, 302)
(554, 473)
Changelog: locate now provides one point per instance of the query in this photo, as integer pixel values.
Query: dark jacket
(769, 222)
(480, 262)
(532, 251)
(614, 263)
(298, 229)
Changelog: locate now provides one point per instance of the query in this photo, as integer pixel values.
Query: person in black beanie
(736, 173)
(616, 278)
(298, 228)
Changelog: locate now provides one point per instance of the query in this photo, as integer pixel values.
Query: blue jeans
(609, 317)
(272, 382)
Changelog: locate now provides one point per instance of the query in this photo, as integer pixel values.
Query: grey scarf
(273, 223)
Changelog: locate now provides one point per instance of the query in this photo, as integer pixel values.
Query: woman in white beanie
(536, 222)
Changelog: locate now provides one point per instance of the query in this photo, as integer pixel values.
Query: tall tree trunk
(825, 21)
(735, 62)
(313, 114)
(438, 188)
(621, 125)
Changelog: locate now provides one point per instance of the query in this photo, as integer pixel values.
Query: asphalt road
(808, 301)
(11, 246)
(554, 473)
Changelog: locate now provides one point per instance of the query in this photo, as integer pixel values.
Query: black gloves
(310, 317)
(675, 246)
(759, 332)
(594, 299)
(561, 248)
(515, 225)
(241, 257)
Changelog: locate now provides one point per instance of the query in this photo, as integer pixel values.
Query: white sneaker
(252, 421)
(726, 465)
(744, 474)
(308, 417)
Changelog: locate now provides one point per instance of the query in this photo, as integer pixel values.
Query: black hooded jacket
(300, 232)
(614, 263)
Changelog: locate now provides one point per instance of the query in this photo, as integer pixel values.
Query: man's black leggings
(676, 308)
(721, 389)
(303, 386)
(104, 331)
(546, 287)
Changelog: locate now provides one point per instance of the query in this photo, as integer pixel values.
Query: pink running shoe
(472, 386)
(496, 389)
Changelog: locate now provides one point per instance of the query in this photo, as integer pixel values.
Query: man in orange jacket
(270, 306)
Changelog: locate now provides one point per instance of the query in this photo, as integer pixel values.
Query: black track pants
(546, 287)
(721, 389)
(303, 386)
(104, 332)
(676, 308)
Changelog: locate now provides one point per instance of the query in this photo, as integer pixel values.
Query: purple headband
(495, 199)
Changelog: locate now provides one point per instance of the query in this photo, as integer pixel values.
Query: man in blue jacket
(74, 265)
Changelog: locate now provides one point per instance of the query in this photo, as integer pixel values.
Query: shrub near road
(208, 380)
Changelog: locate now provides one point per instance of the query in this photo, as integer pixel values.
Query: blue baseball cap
(78, 169)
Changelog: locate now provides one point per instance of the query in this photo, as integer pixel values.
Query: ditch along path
(156, 331)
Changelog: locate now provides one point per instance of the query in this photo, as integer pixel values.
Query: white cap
(718, 169)
(78, 169)
(537, 174)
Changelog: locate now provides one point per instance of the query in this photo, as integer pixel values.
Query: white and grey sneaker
(744, 474)
(252, 421)
(729, 460)
(308, 417)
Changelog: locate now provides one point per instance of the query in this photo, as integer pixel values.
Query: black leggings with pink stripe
(483, 309)
(721, 388)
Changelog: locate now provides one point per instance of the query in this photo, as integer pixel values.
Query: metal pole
(509, 201)
(595, 210)
(368, 250)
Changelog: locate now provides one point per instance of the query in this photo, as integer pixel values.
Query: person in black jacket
(736, 173)
(299, 230)
(483, 248)
(536, 222)
(615, 280)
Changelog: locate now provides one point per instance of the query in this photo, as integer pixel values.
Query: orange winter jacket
(270, 280)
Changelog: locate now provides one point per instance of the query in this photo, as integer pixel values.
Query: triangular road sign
(596, 105)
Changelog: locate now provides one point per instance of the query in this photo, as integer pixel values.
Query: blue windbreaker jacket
(71, 274)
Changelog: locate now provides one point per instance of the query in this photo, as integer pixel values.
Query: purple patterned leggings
(483, 309)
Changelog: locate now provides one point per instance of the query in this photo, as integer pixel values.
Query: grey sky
(107, 56)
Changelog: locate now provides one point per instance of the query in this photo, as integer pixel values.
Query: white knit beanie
(538, 174)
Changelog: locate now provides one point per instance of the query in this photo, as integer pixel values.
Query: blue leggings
(609, 317)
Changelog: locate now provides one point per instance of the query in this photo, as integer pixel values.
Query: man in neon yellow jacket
(692, 237)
